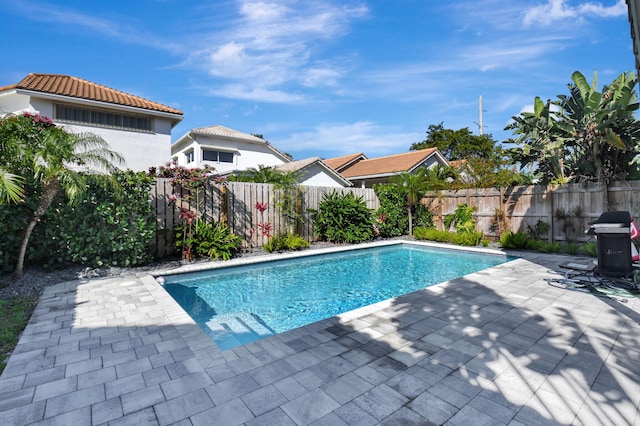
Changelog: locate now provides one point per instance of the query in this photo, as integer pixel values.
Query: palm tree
(541, 140)
(55, 161)
(11, 190)
(413, 185)
(262, 174)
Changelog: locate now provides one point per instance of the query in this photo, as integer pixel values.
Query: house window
(217, 156)
(190, 156)
(102, 118)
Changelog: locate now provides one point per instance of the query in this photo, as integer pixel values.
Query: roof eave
(174, 117)
(376, 176)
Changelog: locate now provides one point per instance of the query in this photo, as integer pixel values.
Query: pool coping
(242, 261)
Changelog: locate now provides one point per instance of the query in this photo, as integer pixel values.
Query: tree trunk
(410, 220)
(49, 190)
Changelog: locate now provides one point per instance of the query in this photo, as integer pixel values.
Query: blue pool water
(237, 305)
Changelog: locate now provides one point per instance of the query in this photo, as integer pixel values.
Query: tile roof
(74, 87)
(294, 166)
(227, 133)
(456, 164)
(338, 163)
(397, 163)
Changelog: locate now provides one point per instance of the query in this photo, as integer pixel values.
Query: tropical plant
(212, 240)
(343, 218)
(52, 160)
(589, 248)
(413, 186)
(11, 190)
(586, 136)
(285, 241)
(462, 219)
(514, 240)
(473, 238)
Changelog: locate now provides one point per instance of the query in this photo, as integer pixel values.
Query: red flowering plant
(264, 228)
(191, 183)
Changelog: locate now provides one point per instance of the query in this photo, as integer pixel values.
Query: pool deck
(500, 346)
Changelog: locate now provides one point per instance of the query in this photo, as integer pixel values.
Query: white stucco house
(228, 151)
(314, 172)
(135, 127)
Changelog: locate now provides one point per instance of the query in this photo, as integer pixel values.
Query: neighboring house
(367, 172)
(465, 172)
(314, 172)
(135, 127)
(341, 163)
(228, 151)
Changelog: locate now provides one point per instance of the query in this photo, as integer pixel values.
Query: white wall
(13, 103)
(316, 176)
(140, 150)
(246, 154)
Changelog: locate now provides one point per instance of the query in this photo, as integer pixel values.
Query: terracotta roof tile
(74, 87)
(397, 163)
(338, 163)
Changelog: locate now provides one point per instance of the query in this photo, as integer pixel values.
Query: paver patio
(500, 346)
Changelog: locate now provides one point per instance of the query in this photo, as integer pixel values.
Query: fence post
(224, 217)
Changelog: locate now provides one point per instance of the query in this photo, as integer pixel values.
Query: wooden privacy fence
(234, 204)
(567, 209)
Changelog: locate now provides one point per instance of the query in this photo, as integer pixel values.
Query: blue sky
(324, 77)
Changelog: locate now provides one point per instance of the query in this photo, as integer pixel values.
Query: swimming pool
(241, 304)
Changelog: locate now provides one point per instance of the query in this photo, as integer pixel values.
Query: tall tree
(458, 144)
(52, 160)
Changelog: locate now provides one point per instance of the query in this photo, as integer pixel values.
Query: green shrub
(554, 247)
(343, 218)
(462, 219)
(286, 241)
(113, 224)
(469, 238)
(511, 240)
(589, 248)
(459, 238)
(392, 215)
(204, 239)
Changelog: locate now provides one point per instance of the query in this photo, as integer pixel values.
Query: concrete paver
(500, 346)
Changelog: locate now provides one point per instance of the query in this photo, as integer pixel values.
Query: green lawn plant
(343, 218)
(14, 315)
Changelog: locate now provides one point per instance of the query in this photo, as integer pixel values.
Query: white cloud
(276, 44)
(239, 91)
(361, 136)
(558, 10)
